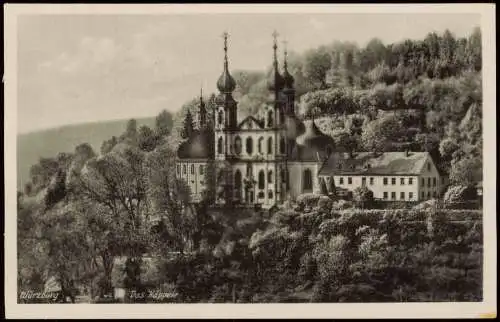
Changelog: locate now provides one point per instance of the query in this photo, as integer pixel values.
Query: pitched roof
(250, 119)
(369, 163)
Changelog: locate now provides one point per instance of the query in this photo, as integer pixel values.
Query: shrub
(308, 200)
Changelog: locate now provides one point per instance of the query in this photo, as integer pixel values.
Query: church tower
(225, 111)
(202, 115)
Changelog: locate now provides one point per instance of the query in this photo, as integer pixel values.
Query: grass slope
(48, 143)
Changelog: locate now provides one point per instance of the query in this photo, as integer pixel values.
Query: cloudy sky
(82, 68)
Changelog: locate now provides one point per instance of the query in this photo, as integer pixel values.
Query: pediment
(250, 123)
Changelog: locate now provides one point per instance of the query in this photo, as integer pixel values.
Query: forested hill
(421, 94)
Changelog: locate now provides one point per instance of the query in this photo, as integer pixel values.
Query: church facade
(257, 160)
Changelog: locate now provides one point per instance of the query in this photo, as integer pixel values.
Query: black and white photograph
(206, 156)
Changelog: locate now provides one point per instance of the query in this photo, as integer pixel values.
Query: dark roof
(198, 146)
(370, 163)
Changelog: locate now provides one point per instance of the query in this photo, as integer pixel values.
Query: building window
(363, 181)
(393, 195)
(178, 169)
(282, 146)
(428, 195)
(270, 120)
(270, 146)
(201, 169)
(393, 181)
(270, 176)
(434, 181)
(192, 168)
(423, 182)
(385, 181)
(371, 181)
(307, 179)
(410, 195)
(270, 194)
(260, 195)
(259, 144)
(402, 181)
(249, 145)
(428, 182)
(184, 169)
(410, 181)
(349, 180)
(385, 195)
(220, 147)
(423, 195)
(262, 179)
(434, 194)
(237, 145)
(341, 180)
(402, 195)
(220, 118)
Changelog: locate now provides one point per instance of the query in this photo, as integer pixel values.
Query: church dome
(313, 142)
(226, 83)
(199, 146)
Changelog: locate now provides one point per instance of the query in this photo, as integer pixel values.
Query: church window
(259, 144)
(220, 146)
(270, 194)
(237, 145)
(184, 170)
(282, 146)
(220, 119)
(249, 145)
(307, 179)
(201, 169)
(270, 120)
(178, 169)
(270, 176)
(192, 168)
(270, 146)
(262, 178)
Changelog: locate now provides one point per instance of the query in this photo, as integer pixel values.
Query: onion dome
(314, 144)
(275, 81)
(226, 83)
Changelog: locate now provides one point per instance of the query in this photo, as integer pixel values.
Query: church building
(257, 160)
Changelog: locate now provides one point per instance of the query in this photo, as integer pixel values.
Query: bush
(308, 200)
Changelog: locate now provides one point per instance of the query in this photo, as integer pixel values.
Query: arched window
(282, 146)
(262, 179)
(282, 116)
(201, 169)
(249, 145)
(184, 169)
(270, 146)
(220, 147)
(270, 176)
(307, 181)
(237, 183)
(270, 120)
(192, 168)
(237, 145)
(220, 118)
(259, 144)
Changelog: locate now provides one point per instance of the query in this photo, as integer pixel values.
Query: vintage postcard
(229, 160)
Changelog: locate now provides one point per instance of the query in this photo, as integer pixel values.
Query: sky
(86, 68)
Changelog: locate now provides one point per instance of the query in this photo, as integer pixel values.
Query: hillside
(48, 143)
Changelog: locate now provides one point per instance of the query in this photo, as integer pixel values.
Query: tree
(378, 135)
(363, 196)
(188, 126)
(163, 123)
(147, 139)
(317, 62)
(108, 145)
(130, 134)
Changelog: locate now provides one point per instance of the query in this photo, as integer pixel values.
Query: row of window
(201, 169)
(270, 118)
(402, 181)
(402, 195)
(249, 145)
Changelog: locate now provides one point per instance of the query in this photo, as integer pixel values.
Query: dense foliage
(83, 211)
